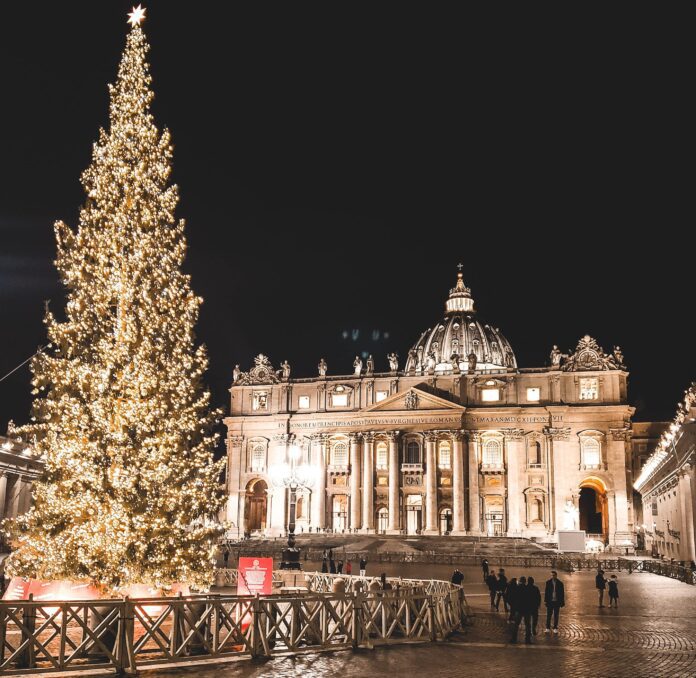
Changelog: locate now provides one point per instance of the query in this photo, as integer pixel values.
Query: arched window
(339, 455)
(299, 508)
(492, 453)
(534, 453)
(381, 458)
(258, 457)
(382, 519)
(413, 453)
(445, 455)
(536, 510)
(591, 452)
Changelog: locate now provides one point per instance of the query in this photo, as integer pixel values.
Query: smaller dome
(460, 342)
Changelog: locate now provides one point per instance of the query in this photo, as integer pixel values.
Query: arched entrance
(255, 506)
(593, 508)
(446, 521)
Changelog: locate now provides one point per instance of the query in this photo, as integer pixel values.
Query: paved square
(653, 633)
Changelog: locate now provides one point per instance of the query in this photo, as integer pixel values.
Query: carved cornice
(393, 435)
(557, 433)
(513, 433)
(473, 436)
(320, 437)
(590, 356)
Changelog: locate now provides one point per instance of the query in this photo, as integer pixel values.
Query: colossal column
(3, 493)
(319, 492)
(235, 494)
(431, 526)
(514, 454)
(458, 525)
(354, 481)
(279, 455)
(474, 501)
(368, 503)
(687, 535)
(394, 522)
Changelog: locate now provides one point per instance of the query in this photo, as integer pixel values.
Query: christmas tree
(121, 415)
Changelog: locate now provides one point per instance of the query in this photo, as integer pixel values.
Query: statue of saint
(285, 367)
(322, 367)
(419, 363)
(472, 362)
(454, 359)
(431, 361)
(436, 352)
(556, 357)
(571, 516)
(618, 356)
(393, 362)
(412, 360)
(236, 372)
(370, 366)
(357, 365)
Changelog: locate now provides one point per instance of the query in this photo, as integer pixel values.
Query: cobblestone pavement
(653, 633)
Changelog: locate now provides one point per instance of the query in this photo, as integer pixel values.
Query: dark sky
(336, 161)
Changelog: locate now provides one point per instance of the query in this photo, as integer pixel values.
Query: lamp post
(292, 476)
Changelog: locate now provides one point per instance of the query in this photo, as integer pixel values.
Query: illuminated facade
(19, 468)
(459, 441)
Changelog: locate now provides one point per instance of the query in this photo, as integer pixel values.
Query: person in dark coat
(324, 566)
(614, 591)
(332, 566)
(600, 585)
(523, 611)
(554, 599)
(457, 578)
(500, 592)
(339, 567)
(535, 599)
(484, 568)
(492, 584)
(511, 599)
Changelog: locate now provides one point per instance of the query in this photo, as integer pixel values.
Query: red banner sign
(255, 576)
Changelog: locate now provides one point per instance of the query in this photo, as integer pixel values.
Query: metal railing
(123, 635)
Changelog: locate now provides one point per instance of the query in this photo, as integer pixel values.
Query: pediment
(413, 400)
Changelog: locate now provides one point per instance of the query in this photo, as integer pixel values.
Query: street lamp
(292, 476)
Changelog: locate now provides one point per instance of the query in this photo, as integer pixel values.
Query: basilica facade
(458, 440)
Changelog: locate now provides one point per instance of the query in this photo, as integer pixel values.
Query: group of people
(331, 566)
(522, 599)
(601, 584)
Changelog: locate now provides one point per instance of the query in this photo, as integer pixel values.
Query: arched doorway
(593, 509)
(255, 506)
(339, 512)
(446, 521)
(414, 513)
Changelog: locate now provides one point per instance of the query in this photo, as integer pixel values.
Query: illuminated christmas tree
(121, 415)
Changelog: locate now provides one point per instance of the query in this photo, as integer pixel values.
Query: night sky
(337, 161)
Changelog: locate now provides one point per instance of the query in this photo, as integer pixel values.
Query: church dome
(459, 337)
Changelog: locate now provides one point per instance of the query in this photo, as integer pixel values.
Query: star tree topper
(136, 16)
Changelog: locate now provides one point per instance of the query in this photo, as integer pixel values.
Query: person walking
(324, 566)
(500, 591)
(457, 578)
(349, 568)
(339, 567)
(535, 603)
(554, 599)
(510, 599)
(492, 584)
(225, 556)
(332, 565)
(484, 568)
(600, 585)
(614, 591)
(523, 611)
(363, 566)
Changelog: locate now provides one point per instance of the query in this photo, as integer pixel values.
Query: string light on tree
(121, 414)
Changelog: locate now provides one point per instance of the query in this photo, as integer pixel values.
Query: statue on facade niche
(370, 366)
(393, 359)
(236, 372)
(571, 516)
(357, 366)
(556, 357)
(285, 369)
(322, 367)
(472, 361)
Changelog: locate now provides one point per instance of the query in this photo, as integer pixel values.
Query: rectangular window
(490, 395)
(589, 388)
(654, 508)
(381, 395)
(260, 401)
(339, 400)
(533, 395)
(303, 403)
(381, 457)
